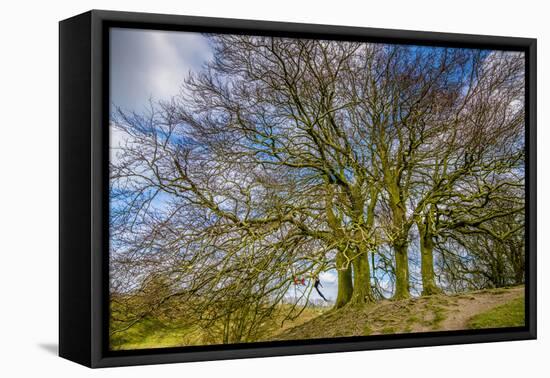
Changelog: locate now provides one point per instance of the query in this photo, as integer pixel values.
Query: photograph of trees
(266, 188)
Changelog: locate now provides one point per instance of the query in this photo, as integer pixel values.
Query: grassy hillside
(154, 332)
(482, 309)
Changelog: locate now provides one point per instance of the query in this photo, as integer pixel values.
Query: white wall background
(29, 186)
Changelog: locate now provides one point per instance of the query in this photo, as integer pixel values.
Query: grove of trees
(399, 167)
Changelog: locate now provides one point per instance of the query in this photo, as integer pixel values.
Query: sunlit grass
(511, 314)
(154, 333)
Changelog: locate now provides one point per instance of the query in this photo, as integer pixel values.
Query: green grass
(439, 316)
(511, 314)
(388, 330)
(152, 333)
(367, 330)
(434, 314)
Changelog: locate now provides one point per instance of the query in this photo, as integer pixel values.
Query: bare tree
(284, 158)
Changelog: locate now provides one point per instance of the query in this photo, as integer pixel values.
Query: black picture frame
(83, 196)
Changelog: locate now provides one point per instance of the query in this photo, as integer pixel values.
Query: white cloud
(328, 277)
(152, 64)
(117, 138)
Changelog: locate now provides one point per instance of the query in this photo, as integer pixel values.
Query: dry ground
(433, 313)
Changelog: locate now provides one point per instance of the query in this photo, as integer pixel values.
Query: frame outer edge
(75, 308)
(99, 230)
(532, 172)
(98, 234)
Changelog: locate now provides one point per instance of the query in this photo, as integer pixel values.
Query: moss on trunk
(427, 265)
(362, 289)
(345, 284)
(427, 256)
(401, 271)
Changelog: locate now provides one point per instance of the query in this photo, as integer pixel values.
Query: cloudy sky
(147, 64)
(152, 63)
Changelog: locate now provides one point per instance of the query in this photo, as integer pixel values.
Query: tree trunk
(427, 264)
(400, 233)
(345, 285)
(518, 263)
(362, 288)
(401, 271)
(425, 231)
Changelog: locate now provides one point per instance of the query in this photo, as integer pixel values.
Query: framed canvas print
(234, 188)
